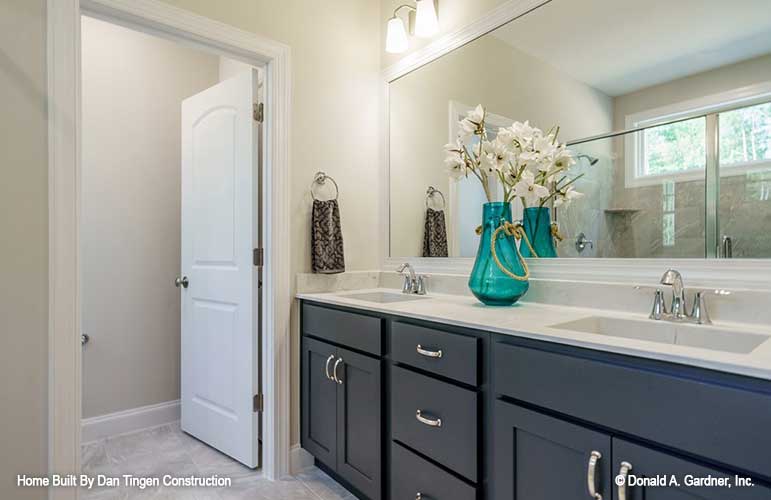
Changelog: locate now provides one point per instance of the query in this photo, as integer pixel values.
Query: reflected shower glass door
(644, 195)
(744, 209)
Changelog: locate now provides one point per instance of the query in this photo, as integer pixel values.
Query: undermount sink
(701, 336)
(384, 297)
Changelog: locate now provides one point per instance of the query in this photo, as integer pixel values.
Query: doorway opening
(171, 194)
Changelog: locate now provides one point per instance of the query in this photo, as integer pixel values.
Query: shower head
(591, 159)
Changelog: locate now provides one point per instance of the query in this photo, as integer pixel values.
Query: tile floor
(168, 450)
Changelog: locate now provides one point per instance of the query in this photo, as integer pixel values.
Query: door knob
(181, 281)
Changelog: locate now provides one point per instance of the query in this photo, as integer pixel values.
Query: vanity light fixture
(425, 25)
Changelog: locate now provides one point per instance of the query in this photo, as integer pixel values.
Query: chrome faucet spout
(413, 283)
(407, 267)
(674, 279)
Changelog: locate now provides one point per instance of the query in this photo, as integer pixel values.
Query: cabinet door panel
(319, 401)
(538, 457)
(359, 422)
(649, 463)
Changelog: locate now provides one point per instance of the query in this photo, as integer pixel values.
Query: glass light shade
(426, 24)
(396, 37)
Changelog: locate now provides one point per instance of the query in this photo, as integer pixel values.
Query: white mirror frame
(725, 273)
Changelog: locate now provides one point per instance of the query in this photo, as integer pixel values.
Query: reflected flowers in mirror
(530, 164)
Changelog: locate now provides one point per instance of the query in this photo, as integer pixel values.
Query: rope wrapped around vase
(518, 232)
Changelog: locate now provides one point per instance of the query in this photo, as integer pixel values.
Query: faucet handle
(421, 288)
(699, 312)
(659, 305)
(407, 286)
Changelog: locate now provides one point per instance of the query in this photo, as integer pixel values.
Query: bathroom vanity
(438, 398)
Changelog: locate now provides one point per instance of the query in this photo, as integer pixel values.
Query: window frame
(634, 143)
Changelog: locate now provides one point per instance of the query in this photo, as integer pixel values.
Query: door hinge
(258, 256)
(258, 111)
(258, 403)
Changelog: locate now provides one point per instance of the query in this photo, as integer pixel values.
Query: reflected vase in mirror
(488, 282)
(537, 224)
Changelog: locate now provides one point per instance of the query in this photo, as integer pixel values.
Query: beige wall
(513, 84)
(23, 247)
(335, 75)
(132, 88)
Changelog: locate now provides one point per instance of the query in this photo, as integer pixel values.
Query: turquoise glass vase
(488, 282)
(537, 224)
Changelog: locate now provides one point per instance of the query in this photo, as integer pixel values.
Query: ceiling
(620, 46)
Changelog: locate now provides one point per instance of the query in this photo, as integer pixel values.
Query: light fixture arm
(403, 6)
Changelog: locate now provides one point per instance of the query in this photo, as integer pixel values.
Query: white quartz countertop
(535, 321)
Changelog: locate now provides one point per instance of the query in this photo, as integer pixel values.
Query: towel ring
(321, 178)
(430, 192)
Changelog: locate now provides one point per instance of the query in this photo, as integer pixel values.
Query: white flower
(563, 159)
(528, 190)
(476, 115)
(506, 136)
(488, 164)
(564, 198)
(456, 146)
(472, 123)
(499, 152)
(523, 132)
(455, 163)
(545, 146)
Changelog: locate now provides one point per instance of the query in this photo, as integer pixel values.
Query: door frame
(64, 174)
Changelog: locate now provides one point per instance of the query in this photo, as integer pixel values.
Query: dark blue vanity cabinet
(342, 411)
(437, 412)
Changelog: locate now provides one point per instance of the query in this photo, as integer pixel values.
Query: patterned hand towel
(435, 235)
(326, 238)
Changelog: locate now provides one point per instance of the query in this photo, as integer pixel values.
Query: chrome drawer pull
(326, 368)
(428, 421)
(334, 371)
(623, 472)
(428, 354)
(591, 475)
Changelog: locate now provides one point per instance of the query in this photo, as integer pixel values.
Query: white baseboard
(126, 421)
(299, 459)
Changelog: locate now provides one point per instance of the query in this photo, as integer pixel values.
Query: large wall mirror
(665, 105)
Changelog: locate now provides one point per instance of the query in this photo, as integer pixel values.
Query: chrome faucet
(413, 283)
(675, 280)
(678, 310)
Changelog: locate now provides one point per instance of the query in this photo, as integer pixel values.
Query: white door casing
(220, 345)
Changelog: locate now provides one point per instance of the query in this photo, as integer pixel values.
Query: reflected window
(676, 147)
(668, 212)
(678, 150)
(745, 136)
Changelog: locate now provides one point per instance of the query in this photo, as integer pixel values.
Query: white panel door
(220, 373)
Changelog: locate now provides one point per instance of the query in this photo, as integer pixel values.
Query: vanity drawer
(446, 428)
(718, 416)
(448, 354)
(411, 475)
(349, 329)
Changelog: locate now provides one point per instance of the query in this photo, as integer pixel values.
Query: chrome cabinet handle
(334, 371)
(326, 368)
(428, 421)
(591, 475)
(183, 281)
(623, 472)
(427, 353)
